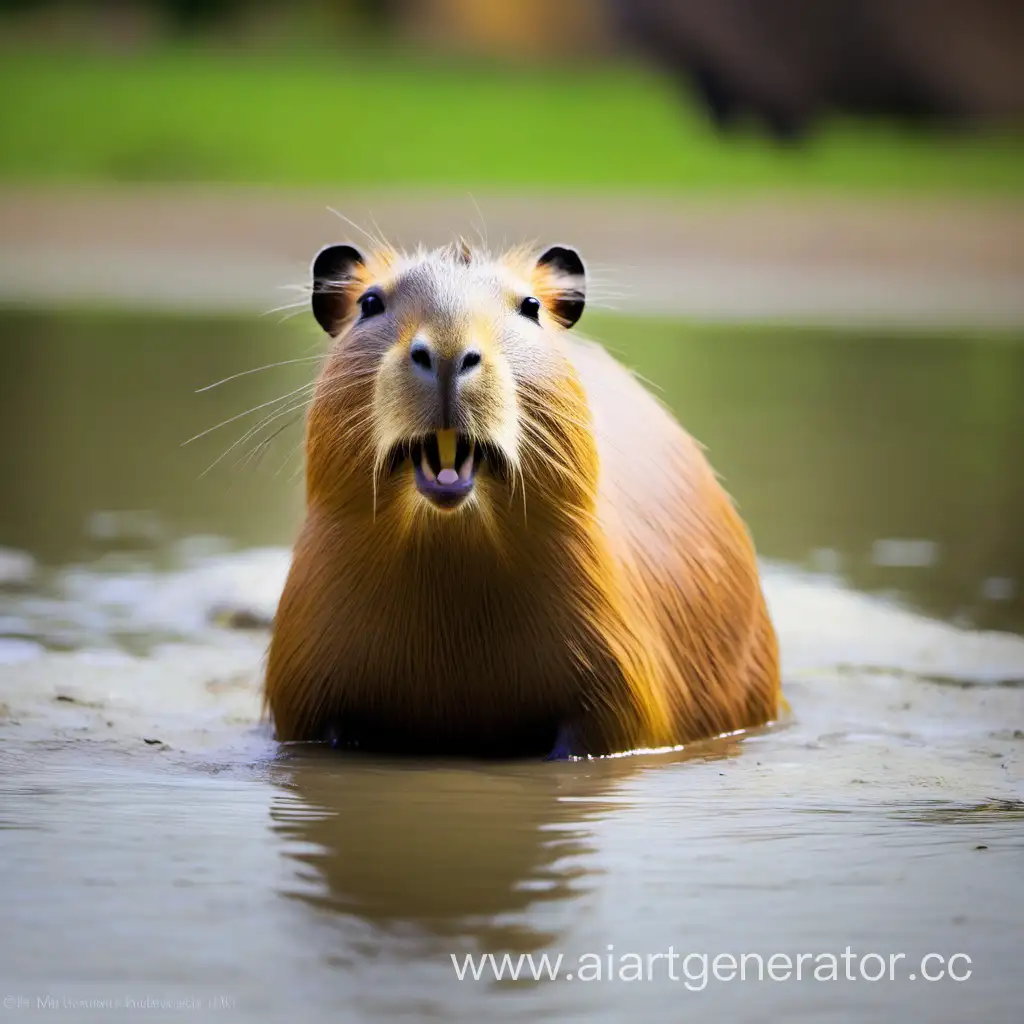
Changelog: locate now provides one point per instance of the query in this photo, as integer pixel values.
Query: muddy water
(156, 845)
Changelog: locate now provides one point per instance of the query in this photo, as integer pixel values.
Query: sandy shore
(797, 259)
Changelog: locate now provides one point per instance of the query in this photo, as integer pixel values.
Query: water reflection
(453, 852)
(490, 855)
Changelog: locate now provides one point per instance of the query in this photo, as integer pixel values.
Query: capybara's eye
(530, 308)
(371, 304)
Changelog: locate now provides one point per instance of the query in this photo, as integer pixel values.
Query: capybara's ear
(335, 284)
(562, 283)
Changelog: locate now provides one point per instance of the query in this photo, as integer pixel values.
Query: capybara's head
(448, 387)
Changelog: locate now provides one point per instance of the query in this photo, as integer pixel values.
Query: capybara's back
(689, 576)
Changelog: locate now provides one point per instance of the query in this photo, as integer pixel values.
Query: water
(156, 844)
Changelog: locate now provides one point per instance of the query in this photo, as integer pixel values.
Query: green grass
(200, 116)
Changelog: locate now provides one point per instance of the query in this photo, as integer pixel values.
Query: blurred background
(803, 221)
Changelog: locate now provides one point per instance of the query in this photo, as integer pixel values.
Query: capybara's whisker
(252, 431)
(248, 412)
(258, 450)
(377, 243)
(257, 369)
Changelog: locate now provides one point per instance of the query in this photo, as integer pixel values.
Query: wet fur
(608, 587)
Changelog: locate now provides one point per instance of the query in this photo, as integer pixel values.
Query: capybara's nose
(428, 364)
(445, 373)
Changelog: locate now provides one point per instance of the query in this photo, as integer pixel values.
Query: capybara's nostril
(469, 360)
(421, 356)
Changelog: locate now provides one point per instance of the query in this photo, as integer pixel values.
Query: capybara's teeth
(425, 466)
(431, 453)
(447, 441)
(466, 469)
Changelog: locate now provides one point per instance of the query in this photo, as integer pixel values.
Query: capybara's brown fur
(584, 587)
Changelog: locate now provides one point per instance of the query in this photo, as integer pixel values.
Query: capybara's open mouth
(445, 465)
